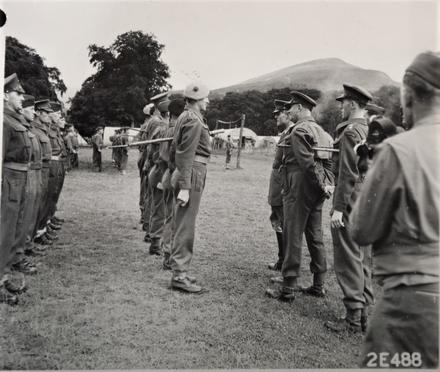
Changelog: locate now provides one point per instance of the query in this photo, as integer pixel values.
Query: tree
(389, 98)
(36, 78)
(129, 72)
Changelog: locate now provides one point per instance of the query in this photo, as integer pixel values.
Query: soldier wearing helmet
(191, 148)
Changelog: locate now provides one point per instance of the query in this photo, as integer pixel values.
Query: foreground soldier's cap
(159, 97)
(55, 106)
(12, 84)
(196, 91)
(301, 98)
(28, 100)
(43, 105)
(148, 109)
(427, 66)
(163, 105)
(356, 93)
(281, 104)
(384, 124)
(374, 109)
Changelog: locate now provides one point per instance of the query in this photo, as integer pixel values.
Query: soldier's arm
(302, 144)
(376, 204)
(186, 151)
(69, 143)
(6, 138)
(348, 172)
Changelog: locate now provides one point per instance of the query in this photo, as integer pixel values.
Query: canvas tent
(110, 131)
(81, 141)
(248, 134)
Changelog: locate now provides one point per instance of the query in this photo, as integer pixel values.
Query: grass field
(101, 302)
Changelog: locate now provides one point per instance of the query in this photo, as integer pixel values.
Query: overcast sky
(225, 43)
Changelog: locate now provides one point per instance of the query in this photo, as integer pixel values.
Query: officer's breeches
(168, 231)
(12, 207)
(157, 215)
(301, 218)
(185, 221)
(352, 265)
(43, 207)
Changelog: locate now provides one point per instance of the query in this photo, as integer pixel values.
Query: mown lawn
(101, 302)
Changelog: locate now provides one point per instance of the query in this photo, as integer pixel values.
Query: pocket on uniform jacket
(197, 180)
(14, 190)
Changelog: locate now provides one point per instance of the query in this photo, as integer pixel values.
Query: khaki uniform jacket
(41, 131)
(347, 178)
(191, 138)
(97, 141)
(56, 141)
(398, 208)
(17, 145)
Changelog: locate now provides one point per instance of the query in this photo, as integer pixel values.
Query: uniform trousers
(56, 181)
(352, 264)
(13, 200)
(146, 211)
(302, 214)
(32, 205)
(157, 213)
(185, 221)
(168, 226)
(405, 320)
(43, 210)
(97, 159)
(277, 220)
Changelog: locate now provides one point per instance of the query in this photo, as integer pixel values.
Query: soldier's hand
(336, 221)
(328, 189)
(160, 186)
(183, 197)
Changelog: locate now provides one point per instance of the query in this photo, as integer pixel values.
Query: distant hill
(323, 74)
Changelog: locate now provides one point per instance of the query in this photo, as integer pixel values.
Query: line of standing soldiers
(172, 177)
(33, 170)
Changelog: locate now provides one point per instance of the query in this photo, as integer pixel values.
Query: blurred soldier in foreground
(398, 213)
(16, 157)
(275, 198)
(167, 165)
(308, 181)
(97, 144)
(352, 262)
(229, 148)
(192, 146)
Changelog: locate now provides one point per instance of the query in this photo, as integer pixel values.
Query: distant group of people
(39, 147)
(385, 185)
(120, 154)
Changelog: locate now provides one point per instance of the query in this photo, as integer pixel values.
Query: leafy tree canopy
(129, 72)
(36, 78)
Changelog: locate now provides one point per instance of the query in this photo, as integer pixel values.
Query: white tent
(110, 131)
(81, 141)
(235, 134)
(267, 141)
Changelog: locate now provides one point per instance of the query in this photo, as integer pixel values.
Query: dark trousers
(302, 215)
(405, 320)
(13, 200)
(352, 264)
(146, 205)
(43, 207)
(97, 159)
(56, 181)
(185, 222)
(32, 205)
(157, 213)
(277, 220)
(168, 226)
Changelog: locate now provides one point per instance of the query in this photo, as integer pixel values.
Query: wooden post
(240, 139)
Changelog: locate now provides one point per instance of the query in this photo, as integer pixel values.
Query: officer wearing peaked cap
(16, 159)
(308, 180)
(352, 262)
(398, 213)
(192, 149)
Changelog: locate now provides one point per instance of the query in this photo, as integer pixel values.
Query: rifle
(157, 140)
(329, 149)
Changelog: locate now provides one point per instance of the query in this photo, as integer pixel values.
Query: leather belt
(53, 157)
(23, 167)
(36, 165)
(201, 159)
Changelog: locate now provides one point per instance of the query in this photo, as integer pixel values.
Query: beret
(196, 90)
(356, 93)
(427, 66)
(301, 98)
(28, 100)
(12, 84)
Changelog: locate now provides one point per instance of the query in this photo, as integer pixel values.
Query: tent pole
(240, 139)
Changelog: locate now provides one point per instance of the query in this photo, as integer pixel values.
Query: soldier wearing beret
(192, 149)
(275, 198)
(16, 158)
(402, 191)
(308, 181)
(158, 125)
(167, 165)
(155, 121)
(97, 143)
(352, 262)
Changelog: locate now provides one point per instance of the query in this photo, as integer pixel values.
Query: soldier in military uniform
(71, 141)
(402, 193)
(308, 181)
(192, 149)
(229, 148)
(167, 165)
(155, 121)
(123, 151)
(352, 262)
(372, 111)
(16, 158)
(97, 144)
(157, 207)
(275, 198)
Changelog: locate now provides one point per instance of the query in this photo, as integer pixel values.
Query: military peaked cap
(375, 109)
(427, 66)
(281, 104)
(28, 100)
(356, 93)
(43, 105)
(12, 84)
(301, 98)
(56, 106)
(159, 97)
